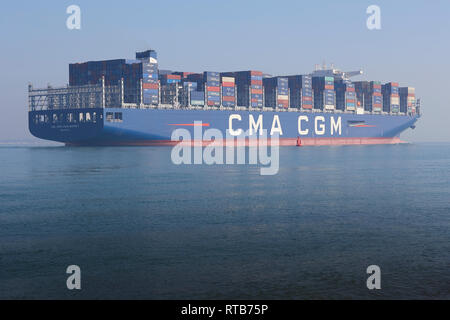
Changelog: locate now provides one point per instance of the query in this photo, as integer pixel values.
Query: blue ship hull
(122, 126)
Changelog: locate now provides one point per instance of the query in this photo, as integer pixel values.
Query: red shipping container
(256, 73)
(211, 103)
(329, 87)
(228, 84)
(394, 84)
(174, 76)
(256, 91)
(307, 106)
(215, 89)
(150, 86)
(227, 98)
(256, 82)
(307, 98)
(255, 100)
(350, 89)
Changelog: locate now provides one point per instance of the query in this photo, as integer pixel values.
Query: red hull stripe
(247, 142)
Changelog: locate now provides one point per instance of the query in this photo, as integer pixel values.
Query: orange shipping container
(174, 76)
(256, 91)
(215, 89)
(228, 84)
(227, 98)
(150, 86)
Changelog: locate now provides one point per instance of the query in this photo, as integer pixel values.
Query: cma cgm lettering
(306, 125)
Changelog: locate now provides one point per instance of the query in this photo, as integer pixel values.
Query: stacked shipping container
(185, 93)
(324, 94)
(90, 73)
(182, 74)
(228, 92)
(243, 88)
(169, 88)
(210, 85)
(345, 95)
(249, 88)
(169, 78)
(407, 100)
(300, 91)
(197, 94)
(197, 98)
(369, 96)
(150, 83)
(276, 92)
(132, 82)
(391, 99)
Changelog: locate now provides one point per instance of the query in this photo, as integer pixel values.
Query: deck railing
(75, 97)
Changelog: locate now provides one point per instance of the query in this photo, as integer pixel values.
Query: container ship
(133, 102)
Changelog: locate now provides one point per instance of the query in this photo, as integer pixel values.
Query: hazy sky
(277, 37)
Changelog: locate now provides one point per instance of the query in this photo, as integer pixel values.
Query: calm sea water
(141, 227)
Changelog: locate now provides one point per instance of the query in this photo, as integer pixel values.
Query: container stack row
(228, 92)
(301, 92)
(185, 93)
(276, 92)
(345, 95)
(150, 81)
(169, 88)
(369, 96)
(391, 98)
(249, 87)
(256, 89)
(407, 100)
(196, 95)
(324, 94)
(210, 85)
(132, 81)
(145, 83)
(91, 72)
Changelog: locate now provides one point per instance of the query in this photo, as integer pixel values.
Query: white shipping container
(395, 100)
(227, 79)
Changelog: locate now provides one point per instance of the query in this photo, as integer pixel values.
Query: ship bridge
(333, 72)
